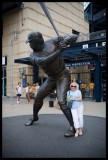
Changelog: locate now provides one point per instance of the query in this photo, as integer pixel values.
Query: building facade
(19, 20)
(95, 14)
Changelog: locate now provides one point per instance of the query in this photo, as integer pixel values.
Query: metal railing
(87, 17)
(99, 15)
(92, 36)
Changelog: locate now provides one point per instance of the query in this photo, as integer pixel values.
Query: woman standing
(77, 107)
(27, 90)
(18, 92)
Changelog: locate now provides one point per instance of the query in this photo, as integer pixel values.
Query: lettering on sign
(79, 64)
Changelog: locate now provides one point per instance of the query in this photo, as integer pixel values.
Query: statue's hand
(62, 42)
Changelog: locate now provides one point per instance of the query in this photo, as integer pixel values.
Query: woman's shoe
(80, 133)
(76, 134)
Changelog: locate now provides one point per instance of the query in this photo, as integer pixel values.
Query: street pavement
(45, 138)
(11, 108)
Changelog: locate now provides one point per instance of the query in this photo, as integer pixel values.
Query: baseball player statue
(48, 55)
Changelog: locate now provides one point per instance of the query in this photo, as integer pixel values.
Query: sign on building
(4, 60)
(24, 82)
(79, 64)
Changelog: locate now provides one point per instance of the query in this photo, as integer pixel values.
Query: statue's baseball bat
(48, 16)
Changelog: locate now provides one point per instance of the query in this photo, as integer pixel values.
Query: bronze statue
(48, 55)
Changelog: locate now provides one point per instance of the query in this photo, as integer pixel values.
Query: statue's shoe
(31, 121)
(70, 132)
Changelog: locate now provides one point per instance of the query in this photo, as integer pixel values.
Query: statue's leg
(63, 85)
(47, 87)
(38, 102)
(68, 114)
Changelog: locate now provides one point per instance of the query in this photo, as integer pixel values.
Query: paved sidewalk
(45, 139)
(91, 108)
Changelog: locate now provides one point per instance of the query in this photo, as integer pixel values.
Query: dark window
(75, 32)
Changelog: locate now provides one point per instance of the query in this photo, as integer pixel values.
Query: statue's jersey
(54, 66)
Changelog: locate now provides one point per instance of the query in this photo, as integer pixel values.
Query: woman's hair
(74, 84)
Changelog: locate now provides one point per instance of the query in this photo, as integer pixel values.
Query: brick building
(21, 18)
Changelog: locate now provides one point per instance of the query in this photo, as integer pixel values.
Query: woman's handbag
(69, 104)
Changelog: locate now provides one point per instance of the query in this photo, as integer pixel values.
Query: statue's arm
(34, 58)
(56, 51)
(31, 59)
(46, 59)
(50, 58)
(70, 39)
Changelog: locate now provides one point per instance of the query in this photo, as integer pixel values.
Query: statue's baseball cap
(34, 35)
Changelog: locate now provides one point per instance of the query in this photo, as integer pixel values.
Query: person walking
(77, 107)
(18, 92)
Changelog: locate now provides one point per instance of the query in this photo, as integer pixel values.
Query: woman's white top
(19, 90)
(75, 94)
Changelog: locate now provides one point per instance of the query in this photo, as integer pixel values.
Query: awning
(87, 54)
(78, 55)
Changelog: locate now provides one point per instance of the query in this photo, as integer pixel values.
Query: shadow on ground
(45, 139)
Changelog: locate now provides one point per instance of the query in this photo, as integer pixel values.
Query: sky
(86, 4)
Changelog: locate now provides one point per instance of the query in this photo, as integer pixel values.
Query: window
(75, 32)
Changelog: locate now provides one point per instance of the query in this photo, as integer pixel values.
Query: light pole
(15, 33)
(11, 71)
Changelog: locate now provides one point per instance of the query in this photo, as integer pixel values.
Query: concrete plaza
(45, 138)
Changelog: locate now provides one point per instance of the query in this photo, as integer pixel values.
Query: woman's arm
(79, 97)
(68, 96)
(23, 90)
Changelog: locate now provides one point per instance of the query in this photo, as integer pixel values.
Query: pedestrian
(77, 107)
(18, 92)
(83, 89)
(32, 91)
(91, 88)
(37, 88)
(48, 55)
(27, 90)
(56, 104)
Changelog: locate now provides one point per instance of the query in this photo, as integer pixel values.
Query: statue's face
(36, 41)
(36, 45)
(32, 45)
